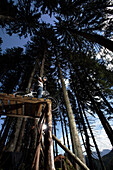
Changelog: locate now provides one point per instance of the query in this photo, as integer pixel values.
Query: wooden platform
(18, 106)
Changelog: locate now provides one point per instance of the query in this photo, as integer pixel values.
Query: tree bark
(94, 141)
(88, 150)
(103, 120)
(54, 126)
(100, 93)
(100, 114)
(3, 125)
(49, 158)
(13, 143)
(62, 128)
(7, 18)
(66, 130)
(19, 142)
(4, 136)
(32, 74)
(41, 75)
(74, 134)
(42, 65)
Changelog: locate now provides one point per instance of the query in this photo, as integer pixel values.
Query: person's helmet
(44, 78)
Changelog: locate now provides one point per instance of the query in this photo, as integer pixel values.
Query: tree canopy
(81, 32)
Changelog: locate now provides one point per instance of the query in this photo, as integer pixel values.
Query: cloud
(102, 140)
(100, 135)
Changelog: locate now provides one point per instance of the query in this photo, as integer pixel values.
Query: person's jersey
(40, 83)
(44, 85)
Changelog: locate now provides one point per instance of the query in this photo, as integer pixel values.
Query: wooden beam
(4, 96)
(49, 157)
(77, 160)
(19, 106)
(23, 116)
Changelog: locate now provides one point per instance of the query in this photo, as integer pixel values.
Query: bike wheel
(19, 93)
(54, 103)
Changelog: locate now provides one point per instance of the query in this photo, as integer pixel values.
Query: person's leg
(39, 92)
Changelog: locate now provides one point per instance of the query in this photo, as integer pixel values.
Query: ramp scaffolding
(40, 111)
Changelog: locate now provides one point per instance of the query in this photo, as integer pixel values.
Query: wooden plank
(19, 104)
(3, 94)
(19, 109)
(33, 109)
(45, 108)
(27, 106)
(27, 109)
(23, 100)
(49, 163)
(38, 109)
(6, 105)
(13, 107)
(20, 98)
(23, 116)
(22, 106)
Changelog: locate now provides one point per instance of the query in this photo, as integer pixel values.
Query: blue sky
(12, 41)
(15, 40)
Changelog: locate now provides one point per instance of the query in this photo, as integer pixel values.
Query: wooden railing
(18, 106)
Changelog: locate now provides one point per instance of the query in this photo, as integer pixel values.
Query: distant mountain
(107, 160)
(105, 152)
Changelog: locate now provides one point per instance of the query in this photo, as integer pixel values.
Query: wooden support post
(49, 157)
(37, 154)
(77, 160)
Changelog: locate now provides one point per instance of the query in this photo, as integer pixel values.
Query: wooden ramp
(18, 106)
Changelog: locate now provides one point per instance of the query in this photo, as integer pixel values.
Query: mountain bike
(45, 95)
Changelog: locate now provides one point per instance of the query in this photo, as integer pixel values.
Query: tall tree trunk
(100, 114)
(13, 143)
(42, 65)
(54, 126)
(100, 93)
(87, 147)
(41, 75)
(4, 136)
(74, 133)
(88, 150)
(49, 158)
(103, 120)
(94, 38)
(62, 128)
(32, 74)
(61, 110)
(6, 18)
(19, 142)
(3, 125)
(66, 130)
(94, 141)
